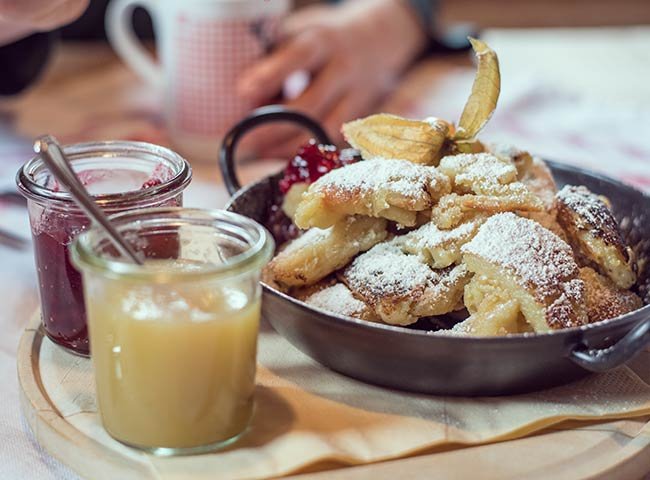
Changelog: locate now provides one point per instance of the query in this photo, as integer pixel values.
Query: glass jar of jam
(174, 340)
(121, 176)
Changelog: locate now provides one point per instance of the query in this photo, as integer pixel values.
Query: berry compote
(312, 161)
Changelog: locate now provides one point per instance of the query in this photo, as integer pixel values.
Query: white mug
(203, 46)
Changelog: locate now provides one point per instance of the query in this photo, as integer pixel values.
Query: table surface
(578, 96)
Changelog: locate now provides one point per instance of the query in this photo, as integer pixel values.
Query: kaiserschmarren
(425, 220)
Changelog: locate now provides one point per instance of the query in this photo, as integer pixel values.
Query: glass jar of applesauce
(174, 341)
(121, 176)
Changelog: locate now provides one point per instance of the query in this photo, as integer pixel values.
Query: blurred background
(336, 61)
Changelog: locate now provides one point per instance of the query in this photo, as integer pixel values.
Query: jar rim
(32, 190)
(258, 253)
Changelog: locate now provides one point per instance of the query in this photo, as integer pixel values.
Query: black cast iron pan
(427, 362)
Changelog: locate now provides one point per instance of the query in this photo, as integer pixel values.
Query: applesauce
(174, 341)
(187, 358)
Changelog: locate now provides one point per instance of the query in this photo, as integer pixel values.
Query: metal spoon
(53, 156)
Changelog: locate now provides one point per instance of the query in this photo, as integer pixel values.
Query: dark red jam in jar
(122, 176)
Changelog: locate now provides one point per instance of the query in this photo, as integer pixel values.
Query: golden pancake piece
(493, 311)
(439, 248)
(393, 189)
(594, 234)
(482, 183)
(336, 298)
(319, 252)
(401, 287)
(531, 171)
(605, 300)
(534, 266)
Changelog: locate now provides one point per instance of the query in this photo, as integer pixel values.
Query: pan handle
(616, 355)
(269, 114)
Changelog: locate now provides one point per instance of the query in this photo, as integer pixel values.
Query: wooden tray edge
(87, 457)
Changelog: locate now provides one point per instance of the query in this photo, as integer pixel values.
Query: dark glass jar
(121, 176)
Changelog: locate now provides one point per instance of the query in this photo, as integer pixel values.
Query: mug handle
(119, 30)
(260, 116)
(618, 354)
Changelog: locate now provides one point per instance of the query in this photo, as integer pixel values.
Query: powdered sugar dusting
(385, 270)
(540, 261)
(398, 176)
(338, 299)
(311, 237)
(446, 279)
(429, 236)
(561, 312)
(478, 171)
(535, 255)
(590, 213)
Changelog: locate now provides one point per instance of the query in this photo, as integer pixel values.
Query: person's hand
(353, 52)
(41, 15)
(21, 17)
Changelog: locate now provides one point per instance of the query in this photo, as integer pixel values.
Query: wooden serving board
(614, 449)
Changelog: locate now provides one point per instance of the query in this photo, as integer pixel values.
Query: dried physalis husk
(485, 93)
(470, 146)
(390, 136)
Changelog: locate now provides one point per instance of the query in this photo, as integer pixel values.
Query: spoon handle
(56, 161)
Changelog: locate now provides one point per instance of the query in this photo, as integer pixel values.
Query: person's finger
(307, 18)
(353, 105)
(307, 51)
(288, 148)
(42, 15)
(316, 101)
(60, 13)
(324, 91)
(263, 139)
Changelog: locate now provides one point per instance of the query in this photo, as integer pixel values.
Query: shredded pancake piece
(479, 173)
(534, 265)
(531, 171)
(492, 310)
(520, 158)
(482, 183)
(604, 299)
(594, 234)
(319, 252)
(538, 178)
(401, 287)
(337, 298)
(439, 248)
(391, 189)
